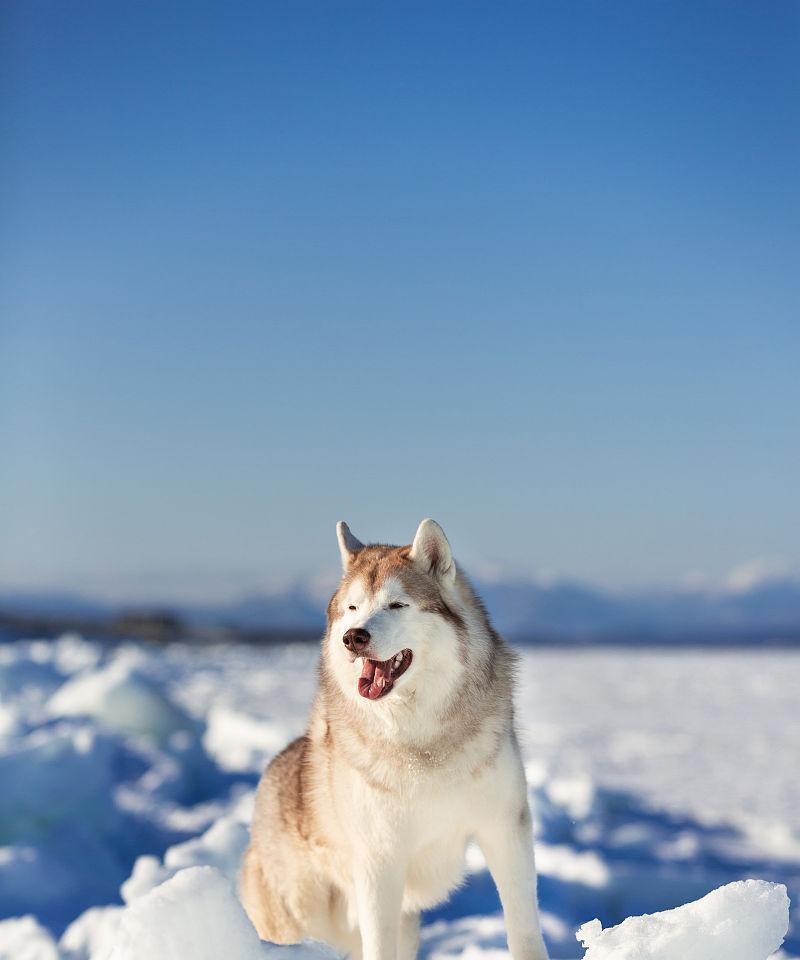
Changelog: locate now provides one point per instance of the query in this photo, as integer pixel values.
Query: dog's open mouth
(378, 676)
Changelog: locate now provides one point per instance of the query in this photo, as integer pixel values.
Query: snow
(23, 938)
(239, 742)
(740, 921)
(193, 914)
(120, 698)
(221, 846)
(127, 776)
(93, 934)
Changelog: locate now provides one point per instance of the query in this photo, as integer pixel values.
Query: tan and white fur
(363, 822)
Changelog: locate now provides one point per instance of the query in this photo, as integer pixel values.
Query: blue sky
(531, 269)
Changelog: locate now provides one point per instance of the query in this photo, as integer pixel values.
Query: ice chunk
(23, 939)
(56, 802)
(195, 914)
(72, 653)
(221, 846)
(53, 773)
(93, 934)
(575, 794)
(9, 721)
(746, 920)
(572, 866)
(241, 742)
(79, 806)
(122, 699)
(148, 872)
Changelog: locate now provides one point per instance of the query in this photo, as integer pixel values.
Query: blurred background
(528, 268)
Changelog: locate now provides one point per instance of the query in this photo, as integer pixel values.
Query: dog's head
(398, 622)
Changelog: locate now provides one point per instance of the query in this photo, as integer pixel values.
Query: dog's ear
(431, 551)
(348, 544)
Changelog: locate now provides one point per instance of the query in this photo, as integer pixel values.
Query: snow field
(127, 774)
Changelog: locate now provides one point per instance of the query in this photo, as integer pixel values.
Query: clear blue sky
(530, 268)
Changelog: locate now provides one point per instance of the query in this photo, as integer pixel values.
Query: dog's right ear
(348, 544)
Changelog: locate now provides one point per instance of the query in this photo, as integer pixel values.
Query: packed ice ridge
(746, 920)
(195, 914)
(127, 782)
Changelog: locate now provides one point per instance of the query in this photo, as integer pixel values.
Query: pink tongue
(367, 670)
(371, 674)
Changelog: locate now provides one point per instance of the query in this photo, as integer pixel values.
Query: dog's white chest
(438, 828)
(435, 869)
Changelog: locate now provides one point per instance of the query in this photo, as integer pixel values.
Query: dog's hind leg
(251, 892)
(331, 924)
(267, 912)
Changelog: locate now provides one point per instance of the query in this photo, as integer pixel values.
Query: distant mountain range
(563, 611)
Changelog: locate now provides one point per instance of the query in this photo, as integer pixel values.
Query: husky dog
(410, 753)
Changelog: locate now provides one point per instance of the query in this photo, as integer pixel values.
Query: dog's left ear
(431, 550)
(348, 544)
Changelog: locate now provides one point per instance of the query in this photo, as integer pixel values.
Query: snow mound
(195, 914)
(240, 742)
(222, 846)
(746, 920)
(23, 939)
(93, 934)
(10, 725)
(571, 866)
(122, 699)
(72, 653)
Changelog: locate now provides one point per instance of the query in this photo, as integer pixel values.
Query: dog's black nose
(356, 639)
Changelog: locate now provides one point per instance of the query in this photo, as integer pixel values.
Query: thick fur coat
(409, 754)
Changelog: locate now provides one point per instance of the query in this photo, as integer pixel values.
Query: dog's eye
(396, 605)
(351, 607)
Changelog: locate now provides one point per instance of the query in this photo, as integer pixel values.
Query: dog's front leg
(409, 936)
(507, 844)
(379, 897)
